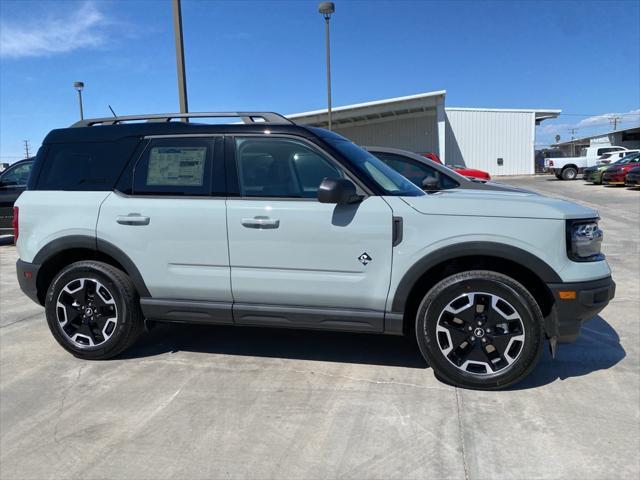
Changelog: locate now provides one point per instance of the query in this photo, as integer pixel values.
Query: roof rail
(246, 117)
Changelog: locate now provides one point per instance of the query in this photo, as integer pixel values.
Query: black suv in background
(13, 181)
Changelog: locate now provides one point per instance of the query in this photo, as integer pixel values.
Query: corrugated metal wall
(417, 133)
(477, 138)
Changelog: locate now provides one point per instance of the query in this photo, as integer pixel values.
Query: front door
(295, 261)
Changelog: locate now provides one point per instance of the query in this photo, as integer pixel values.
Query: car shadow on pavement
(279, 343)
(597, 348)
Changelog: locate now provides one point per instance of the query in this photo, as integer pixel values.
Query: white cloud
(82, 28)
(604, 119)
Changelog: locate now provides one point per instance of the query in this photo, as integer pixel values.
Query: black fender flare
(469, 249)
(95, 244)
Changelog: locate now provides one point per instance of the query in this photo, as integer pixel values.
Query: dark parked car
(430, 175)
(633, 177)
(13, 181)
(617, 174)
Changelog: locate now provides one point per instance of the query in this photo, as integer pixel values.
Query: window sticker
(182, 166)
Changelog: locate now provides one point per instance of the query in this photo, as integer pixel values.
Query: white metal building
(499, 141)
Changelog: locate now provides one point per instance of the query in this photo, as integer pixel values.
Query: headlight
(584, 239)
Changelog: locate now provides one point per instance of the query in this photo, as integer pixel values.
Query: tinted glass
(387, 179)
(84, 166)
(17, 175)
(174, 167)
(278, 167)
(415, 171)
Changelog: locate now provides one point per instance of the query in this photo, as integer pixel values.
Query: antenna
(114, 113)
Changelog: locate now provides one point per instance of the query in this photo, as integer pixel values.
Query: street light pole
(326, 9)
(79, 86)
(182, 79)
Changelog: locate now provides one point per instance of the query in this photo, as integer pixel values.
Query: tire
(93, 310)
(500, 356)
(569, 173)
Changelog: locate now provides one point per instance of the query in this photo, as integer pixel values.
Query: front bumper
(593, 177)
(633, 179)
(568, 315)
(613, 178)
(27, 277)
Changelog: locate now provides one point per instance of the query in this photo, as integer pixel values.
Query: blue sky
(581, 57)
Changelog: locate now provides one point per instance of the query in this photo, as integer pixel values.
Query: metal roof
(584, 139)
(389, 107)
(541, 113)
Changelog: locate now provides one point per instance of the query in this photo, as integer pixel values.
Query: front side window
(174, 167)
(17, 175)
(281, 167)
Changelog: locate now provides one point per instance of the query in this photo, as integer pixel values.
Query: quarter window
(279, 167)
(174, 167)
(85, 166)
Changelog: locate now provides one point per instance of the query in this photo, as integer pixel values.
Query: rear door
(295, 261)
(171, 220)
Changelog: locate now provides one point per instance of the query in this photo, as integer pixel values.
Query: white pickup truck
(567, 168)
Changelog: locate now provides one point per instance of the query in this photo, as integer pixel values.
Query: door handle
(133, 219)
(261, 222)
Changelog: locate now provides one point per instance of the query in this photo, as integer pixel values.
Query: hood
(498, 203)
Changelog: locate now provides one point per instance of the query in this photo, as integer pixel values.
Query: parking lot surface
(223, 402)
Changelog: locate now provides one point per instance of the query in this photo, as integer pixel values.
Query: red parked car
(617, 174)
(467, 172)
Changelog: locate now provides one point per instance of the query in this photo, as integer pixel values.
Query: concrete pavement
(222, 402)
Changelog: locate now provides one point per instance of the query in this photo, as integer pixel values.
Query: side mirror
(338, 191)
(430, 184)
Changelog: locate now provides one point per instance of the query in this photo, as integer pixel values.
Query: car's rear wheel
(480, 329)
(569, 173)
(93, 310)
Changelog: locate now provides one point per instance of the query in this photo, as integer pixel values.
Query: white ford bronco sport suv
(267, 223)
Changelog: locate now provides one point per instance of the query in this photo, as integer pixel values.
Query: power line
(614, 121)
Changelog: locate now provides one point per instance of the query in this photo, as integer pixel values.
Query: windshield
(390, 181)
(634, 157)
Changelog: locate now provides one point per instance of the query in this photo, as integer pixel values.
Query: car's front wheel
(480, 329)
(93, 310)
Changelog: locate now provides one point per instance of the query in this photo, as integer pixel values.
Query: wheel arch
(63, 251)
(524, 267)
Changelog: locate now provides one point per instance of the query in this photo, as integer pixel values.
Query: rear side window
(608, 149)
(174, 167)
(84, 166)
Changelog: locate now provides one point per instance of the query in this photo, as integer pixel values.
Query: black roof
(107, 133)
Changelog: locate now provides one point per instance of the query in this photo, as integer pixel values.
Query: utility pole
(573, 132)
(326, 9)
(26, 149)
(614, 120)
(182, 79)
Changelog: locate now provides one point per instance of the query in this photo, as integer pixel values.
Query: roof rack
(246, 117)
